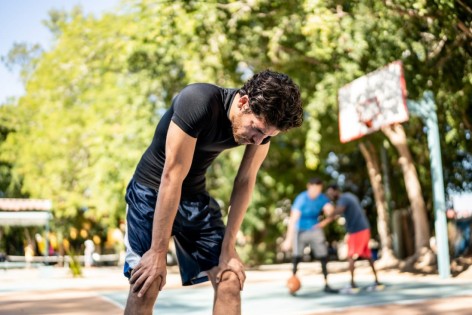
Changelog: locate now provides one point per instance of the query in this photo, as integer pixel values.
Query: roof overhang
(25, 212)
(24, 218)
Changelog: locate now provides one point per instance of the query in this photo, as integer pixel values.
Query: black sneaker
(328, 289)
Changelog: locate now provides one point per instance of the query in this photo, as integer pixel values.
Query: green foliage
(82, 123)
(93, 100)
(74, 264)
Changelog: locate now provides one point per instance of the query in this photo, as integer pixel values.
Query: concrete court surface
(51, 290)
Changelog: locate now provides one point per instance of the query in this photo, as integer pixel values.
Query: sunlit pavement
(49, 290)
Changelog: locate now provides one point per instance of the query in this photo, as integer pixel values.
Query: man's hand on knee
(229, 283)
(230, 278)
(227, 295)
(231, 262)
(151, 268)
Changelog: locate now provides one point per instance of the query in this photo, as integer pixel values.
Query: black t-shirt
(202, 111)
(356, 219)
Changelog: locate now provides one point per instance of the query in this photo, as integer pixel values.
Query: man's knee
(146, 302)
(229, 283)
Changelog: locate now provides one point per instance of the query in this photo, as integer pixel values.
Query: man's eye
(258, 130)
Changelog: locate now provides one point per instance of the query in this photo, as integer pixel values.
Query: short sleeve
(324, 199)
(298, 202)
(342, 201)
(193, 108)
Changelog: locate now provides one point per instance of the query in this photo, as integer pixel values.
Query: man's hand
(229, 260)
(153, 266)
(286, 245)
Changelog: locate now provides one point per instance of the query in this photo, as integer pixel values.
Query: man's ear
(243, 102)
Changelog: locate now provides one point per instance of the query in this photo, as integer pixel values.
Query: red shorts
(358, 244)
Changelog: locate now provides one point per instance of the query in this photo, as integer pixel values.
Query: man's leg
(296, 260)
(351, 270)
(299, 244)
(358, 246)
(324, 268)
(141, 202)
(320, 251)
(364, 252)
(227, 299)
(371, 263)
(142, 305)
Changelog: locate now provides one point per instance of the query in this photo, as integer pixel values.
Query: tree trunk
(388, 259)
(423, 254)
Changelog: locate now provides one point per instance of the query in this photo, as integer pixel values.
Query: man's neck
(234, 107)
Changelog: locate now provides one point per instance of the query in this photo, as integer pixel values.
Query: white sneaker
(375, 287)
(349, 290)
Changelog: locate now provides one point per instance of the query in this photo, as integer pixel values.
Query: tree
(397, 137)
(383, 221)
(10, 186)
(81, 108)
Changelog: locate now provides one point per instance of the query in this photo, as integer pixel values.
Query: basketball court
(104, 291)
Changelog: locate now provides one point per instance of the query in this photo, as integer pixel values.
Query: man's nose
(257, 139)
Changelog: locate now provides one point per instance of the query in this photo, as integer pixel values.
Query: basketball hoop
(370, 102)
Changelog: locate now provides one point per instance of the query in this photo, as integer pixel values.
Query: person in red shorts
(357, 227)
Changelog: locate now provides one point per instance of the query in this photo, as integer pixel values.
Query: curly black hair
(276, 98)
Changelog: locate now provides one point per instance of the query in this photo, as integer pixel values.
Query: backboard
(372, 101)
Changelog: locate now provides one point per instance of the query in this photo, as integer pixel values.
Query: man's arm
(295, 215)
(330, 213)
(339, 209)
(180, 148)
(243, 187)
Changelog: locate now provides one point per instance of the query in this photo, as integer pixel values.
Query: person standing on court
(167, 195)
(357, 227)
(304, 228)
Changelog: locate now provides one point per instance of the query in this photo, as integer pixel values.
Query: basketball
(293, 284)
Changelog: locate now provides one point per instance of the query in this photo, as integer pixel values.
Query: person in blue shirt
(304, 228)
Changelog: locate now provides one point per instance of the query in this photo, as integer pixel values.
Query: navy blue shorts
(198, 232)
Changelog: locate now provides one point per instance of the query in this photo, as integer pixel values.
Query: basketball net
(368, 111)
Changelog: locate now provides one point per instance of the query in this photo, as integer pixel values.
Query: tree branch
(464, 28)
(468, 9)
(409, 12)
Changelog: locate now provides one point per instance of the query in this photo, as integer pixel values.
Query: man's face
(250, 129)
(332, 194)
(314, 190)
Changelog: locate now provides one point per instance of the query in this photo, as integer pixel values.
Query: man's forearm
(294, 217)
(291, 229)
(242, 190)
(239, 202)
(164, 214)
(325, 221)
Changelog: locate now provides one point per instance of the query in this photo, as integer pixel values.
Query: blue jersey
(310, 209)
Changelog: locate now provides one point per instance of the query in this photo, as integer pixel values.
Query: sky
(21, 22)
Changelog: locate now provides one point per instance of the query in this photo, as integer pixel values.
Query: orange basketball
(293, 284)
